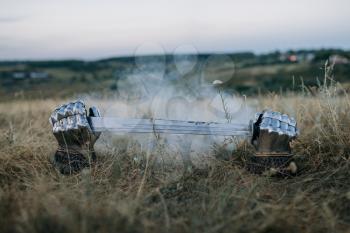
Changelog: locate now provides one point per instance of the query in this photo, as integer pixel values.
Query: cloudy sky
(91, 29)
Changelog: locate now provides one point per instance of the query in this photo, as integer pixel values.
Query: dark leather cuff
(282, 165)
(71, 161)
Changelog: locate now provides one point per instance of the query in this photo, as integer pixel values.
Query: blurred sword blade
(119, 125)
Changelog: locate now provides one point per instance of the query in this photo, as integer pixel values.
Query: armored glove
(272, 134)
(74, 136)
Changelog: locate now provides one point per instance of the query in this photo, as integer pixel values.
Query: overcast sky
(91, 29)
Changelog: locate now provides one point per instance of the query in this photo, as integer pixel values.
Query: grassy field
(121, 194)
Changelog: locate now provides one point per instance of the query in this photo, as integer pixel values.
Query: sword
(272, 135)
(120, 125)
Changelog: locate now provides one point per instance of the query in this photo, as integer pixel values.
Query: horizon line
(125, 56)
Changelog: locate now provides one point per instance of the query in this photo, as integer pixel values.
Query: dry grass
(120, 194)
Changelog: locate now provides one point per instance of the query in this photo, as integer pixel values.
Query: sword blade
(119, 125)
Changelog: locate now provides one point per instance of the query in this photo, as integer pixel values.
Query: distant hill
(244, 72)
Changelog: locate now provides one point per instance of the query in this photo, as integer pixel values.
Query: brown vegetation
(119, 194)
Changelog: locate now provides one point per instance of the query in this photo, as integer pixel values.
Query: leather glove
(75, 138)
(272, 134)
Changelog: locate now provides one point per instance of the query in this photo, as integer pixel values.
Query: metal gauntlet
(272, 134)
(74, 136)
